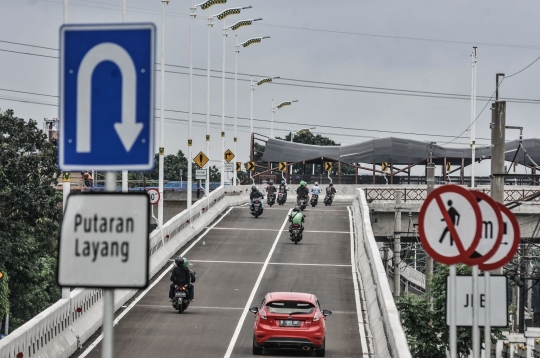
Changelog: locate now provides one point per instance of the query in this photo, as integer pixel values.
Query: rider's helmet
(303, 183)
(296, 208)
(254, 188)
(331, 184)
(282, 181)
(270, 182)
(316, 184)
(186, 262)
(179, 261)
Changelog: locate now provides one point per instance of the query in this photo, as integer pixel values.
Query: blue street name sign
(107, 97)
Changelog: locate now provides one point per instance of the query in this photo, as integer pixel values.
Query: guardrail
(419, 194)
(60, 329)
(388, 337)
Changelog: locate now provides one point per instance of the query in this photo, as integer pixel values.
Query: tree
(30, 215)
(432, 339)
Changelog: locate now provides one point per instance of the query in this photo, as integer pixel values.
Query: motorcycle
(256, 208)
(296, 233)
(271, 199)
(180, 301)
(328, 199)
(314, 200)
(281, 199)
(302, 202)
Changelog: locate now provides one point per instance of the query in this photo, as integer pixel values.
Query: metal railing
(419, 194)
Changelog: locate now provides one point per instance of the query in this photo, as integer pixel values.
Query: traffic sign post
(328, 166)
(250, 166)
(107, 97)
(238, 166)
(154, 196)
(282, 166)
(228, 155)
(480, 233)
(201, 159)
(229, 167)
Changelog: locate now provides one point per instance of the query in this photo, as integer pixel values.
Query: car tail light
(263, 315)
(316, 318)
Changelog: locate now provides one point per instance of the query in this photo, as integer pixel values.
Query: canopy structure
(395, 151)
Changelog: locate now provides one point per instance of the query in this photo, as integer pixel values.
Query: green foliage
(172, 164)
(30, 215)
(427, 332)
(306, 137)
(4, 294)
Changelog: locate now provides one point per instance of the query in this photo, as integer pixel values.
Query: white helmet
(316, 184)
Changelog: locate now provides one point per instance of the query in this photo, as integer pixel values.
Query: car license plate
(289, 323)
(180, 294)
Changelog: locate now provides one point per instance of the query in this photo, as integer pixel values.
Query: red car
(290, 320)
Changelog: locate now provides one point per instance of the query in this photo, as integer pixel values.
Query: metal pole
(235, 100)
(223, 111)
(522, 294)
(475, 308)
(453, 305)
(272, 123)
(66, 189)
(162, 118)
(125, 188)
(190, 141)
(430, 181)
(252, 90)
(107, 348)
(397, 246)
(207, 184)
(487, 319)
(66, 6)
(473, 115)
(123, 10)
(498, 119)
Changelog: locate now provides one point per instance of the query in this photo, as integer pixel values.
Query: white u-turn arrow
(128, 129)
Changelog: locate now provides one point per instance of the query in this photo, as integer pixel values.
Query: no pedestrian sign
(104, 241)
(461, 226)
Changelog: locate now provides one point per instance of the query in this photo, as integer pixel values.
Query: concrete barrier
(388, 337)
(62, 328)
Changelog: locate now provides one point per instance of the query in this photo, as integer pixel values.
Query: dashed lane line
(276, 230)
(270, 263)
(138, 298)
(194, 307)
(253, 292)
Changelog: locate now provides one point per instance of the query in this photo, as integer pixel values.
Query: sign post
(455, 226)
(107, 105)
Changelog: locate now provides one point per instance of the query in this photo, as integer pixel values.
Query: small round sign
(492, 230)
(450, 224)
(153, 193)
(509, 244)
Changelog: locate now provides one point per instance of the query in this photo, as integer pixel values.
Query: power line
(348, 87)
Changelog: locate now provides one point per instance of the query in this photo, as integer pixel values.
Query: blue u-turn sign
(107, 97)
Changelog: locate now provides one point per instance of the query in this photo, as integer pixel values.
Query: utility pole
(498, 123)
(397, 246)
(430, 181)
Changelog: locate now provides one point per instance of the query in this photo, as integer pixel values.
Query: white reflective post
(453, 304)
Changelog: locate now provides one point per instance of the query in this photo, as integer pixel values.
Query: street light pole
(272, 123)
(123, 10)
(66, 6)
(236, 99)
(207, 185)
(473, 115)
(260, 82)
(124, 172)
(162, 116)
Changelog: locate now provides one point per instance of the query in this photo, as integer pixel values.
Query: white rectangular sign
(200, 174)
(229, 167)
(498, 303)
(104, 241)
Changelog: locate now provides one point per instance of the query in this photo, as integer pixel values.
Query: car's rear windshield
(290, 307)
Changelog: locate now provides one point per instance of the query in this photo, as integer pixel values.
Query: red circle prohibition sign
(464, 252)
(154, 190)
(471, 261)
(486, 266)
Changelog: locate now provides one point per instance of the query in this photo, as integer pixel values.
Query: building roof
(392, 150)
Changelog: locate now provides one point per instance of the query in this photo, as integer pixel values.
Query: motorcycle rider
(302, 192)
(271, 189)
(255, 194)
(316, 190)
(296, 217)
(181, 277)
(330, 190)
(283, 188)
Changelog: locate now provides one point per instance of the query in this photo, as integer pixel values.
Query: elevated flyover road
(239, 259)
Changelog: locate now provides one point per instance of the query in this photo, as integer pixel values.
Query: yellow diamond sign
(201, 159)
(229, 155)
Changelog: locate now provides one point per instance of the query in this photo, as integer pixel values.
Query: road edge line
(138, 298)
(361, 323)
(254, 291)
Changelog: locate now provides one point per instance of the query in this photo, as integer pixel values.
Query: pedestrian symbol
(450, 224)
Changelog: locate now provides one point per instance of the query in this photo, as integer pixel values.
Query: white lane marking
(255, 287)
(276, 230)
(363, 341)
(299, 264)
(192, 306)
(138, 298)
(228, 262)
(270, 263)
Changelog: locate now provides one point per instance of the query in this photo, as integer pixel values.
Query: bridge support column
(374, 180)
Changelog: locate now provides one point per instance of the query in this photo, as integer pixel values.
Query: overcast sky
(421, 46)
